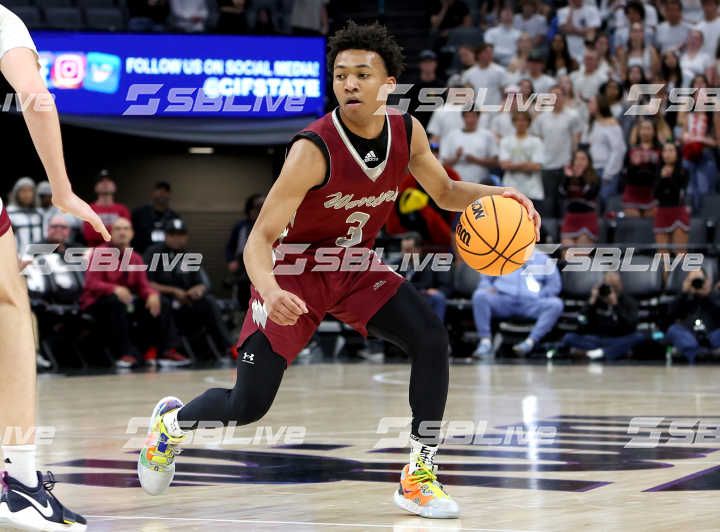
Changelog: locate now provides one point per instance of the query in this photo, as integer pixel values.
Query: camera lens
(604, 290)
(697, 283)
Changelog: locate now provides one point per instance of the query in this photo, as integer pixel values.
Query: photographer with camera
(609, 323)
(696, 317)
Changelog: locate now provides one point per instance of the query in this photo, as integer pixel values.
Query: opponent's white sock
(172, 424)
(20, 463)
(426, 453)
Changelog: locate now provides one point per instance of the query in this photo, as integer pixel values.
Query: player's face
(360, 82)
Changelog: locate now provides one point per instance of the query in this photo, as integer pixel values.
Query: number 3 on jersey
(354, 234)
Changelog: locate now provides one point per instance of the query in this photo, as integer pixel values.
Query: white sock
(172, 424)
(594, 354)
(426, 453)
(20, 463)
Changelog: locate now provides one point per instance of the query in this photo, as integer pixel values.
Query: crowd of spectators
(138, 315)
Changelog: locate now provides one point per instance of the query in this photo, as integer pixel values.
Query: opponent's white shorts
(13, 33)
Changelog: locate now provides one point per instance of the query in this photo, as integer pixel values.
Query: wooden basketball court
(585, 478)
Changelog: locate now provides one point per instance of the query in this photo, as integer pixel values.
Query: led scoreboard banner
(183, 75)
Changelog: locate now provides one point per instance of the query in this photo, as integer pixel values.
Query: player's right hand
(283, 307)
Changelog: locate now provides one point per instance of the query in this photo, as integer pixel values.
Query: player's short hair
(370, 37)
(163, 185)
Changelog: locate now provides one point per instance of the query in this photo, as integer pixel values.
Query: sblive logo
(462, 234)
(249, 358)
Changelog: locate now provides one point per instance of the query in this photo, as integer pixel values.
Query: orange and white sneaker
(420, 493)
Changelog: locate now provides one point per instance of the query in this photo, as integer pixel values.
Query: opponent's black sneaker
(36, 509)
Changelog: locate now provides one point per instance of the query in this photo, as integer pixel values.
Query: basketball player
(336, 190)
(25, 500)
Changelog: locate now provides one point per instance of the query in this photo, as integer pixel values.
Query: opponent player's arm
(454, 195)
(19, 66)
(304, 168)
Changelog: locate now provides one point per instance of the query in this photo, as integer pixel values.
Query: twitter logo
(103, 72)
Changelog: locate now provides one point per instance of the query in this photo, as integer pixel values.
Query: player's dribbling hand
(70, 202)
(532, 213)
(283, 307)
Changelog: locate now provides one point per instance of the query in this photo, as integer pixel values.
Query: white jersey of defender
(13, 34)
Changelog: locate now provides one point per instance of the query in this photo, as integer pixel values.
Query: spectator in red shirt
(105, 206)
(113, 293)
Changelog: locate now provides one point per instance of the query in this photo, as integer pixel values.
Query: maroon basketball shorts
(351, 296)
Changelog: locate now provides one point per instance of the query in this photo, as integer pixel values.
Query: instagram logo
(68, 71)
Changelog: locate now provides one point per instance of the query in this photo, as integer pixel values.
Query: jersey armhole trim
(407, 118)
(320, 143)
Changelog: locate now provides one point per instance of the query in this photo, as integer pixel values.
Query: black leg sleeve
(259, 373)
(408, 322)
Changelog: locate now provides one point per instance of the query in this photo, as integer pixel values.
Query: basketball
(495, 235)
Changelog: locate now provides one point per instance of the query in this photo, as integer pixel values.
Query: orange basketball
(495, 235)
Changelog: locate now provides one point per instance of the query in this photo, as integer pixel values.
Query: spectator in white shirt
(672, 34)
(710, 27)
(559, 131)
(694, 61)
(486, 77)
(587, 81)
(608, 63)
(521, 157)
(518, 66)
(638, 52)
(448, 118)
(471, 151)
(501, 123)
(536, 66)
(607, 145)
(531, 22)
(189, 15)
(559, 62)
(504, 37)
(579, 23)
(692, 11)
(635, 14)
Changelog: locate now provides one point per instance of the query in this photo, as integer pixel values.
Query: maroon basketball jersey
(353, 203)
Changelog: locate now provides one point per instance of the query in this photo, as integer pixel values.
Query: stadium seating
(64, 18)
(633, 231)
(30, 15)
(105, 18)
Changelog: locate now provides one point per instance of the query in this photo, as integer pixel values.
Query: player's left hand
(532, 213)
(70, 202)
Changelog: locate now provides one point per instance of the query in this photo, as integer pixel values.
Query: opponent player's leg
(408, 321)
(21, 480)
(259, 373)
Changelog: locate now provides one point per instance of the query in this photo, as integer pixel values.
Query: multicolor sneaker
(36, 509)
(156, 464)
(420, 493)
